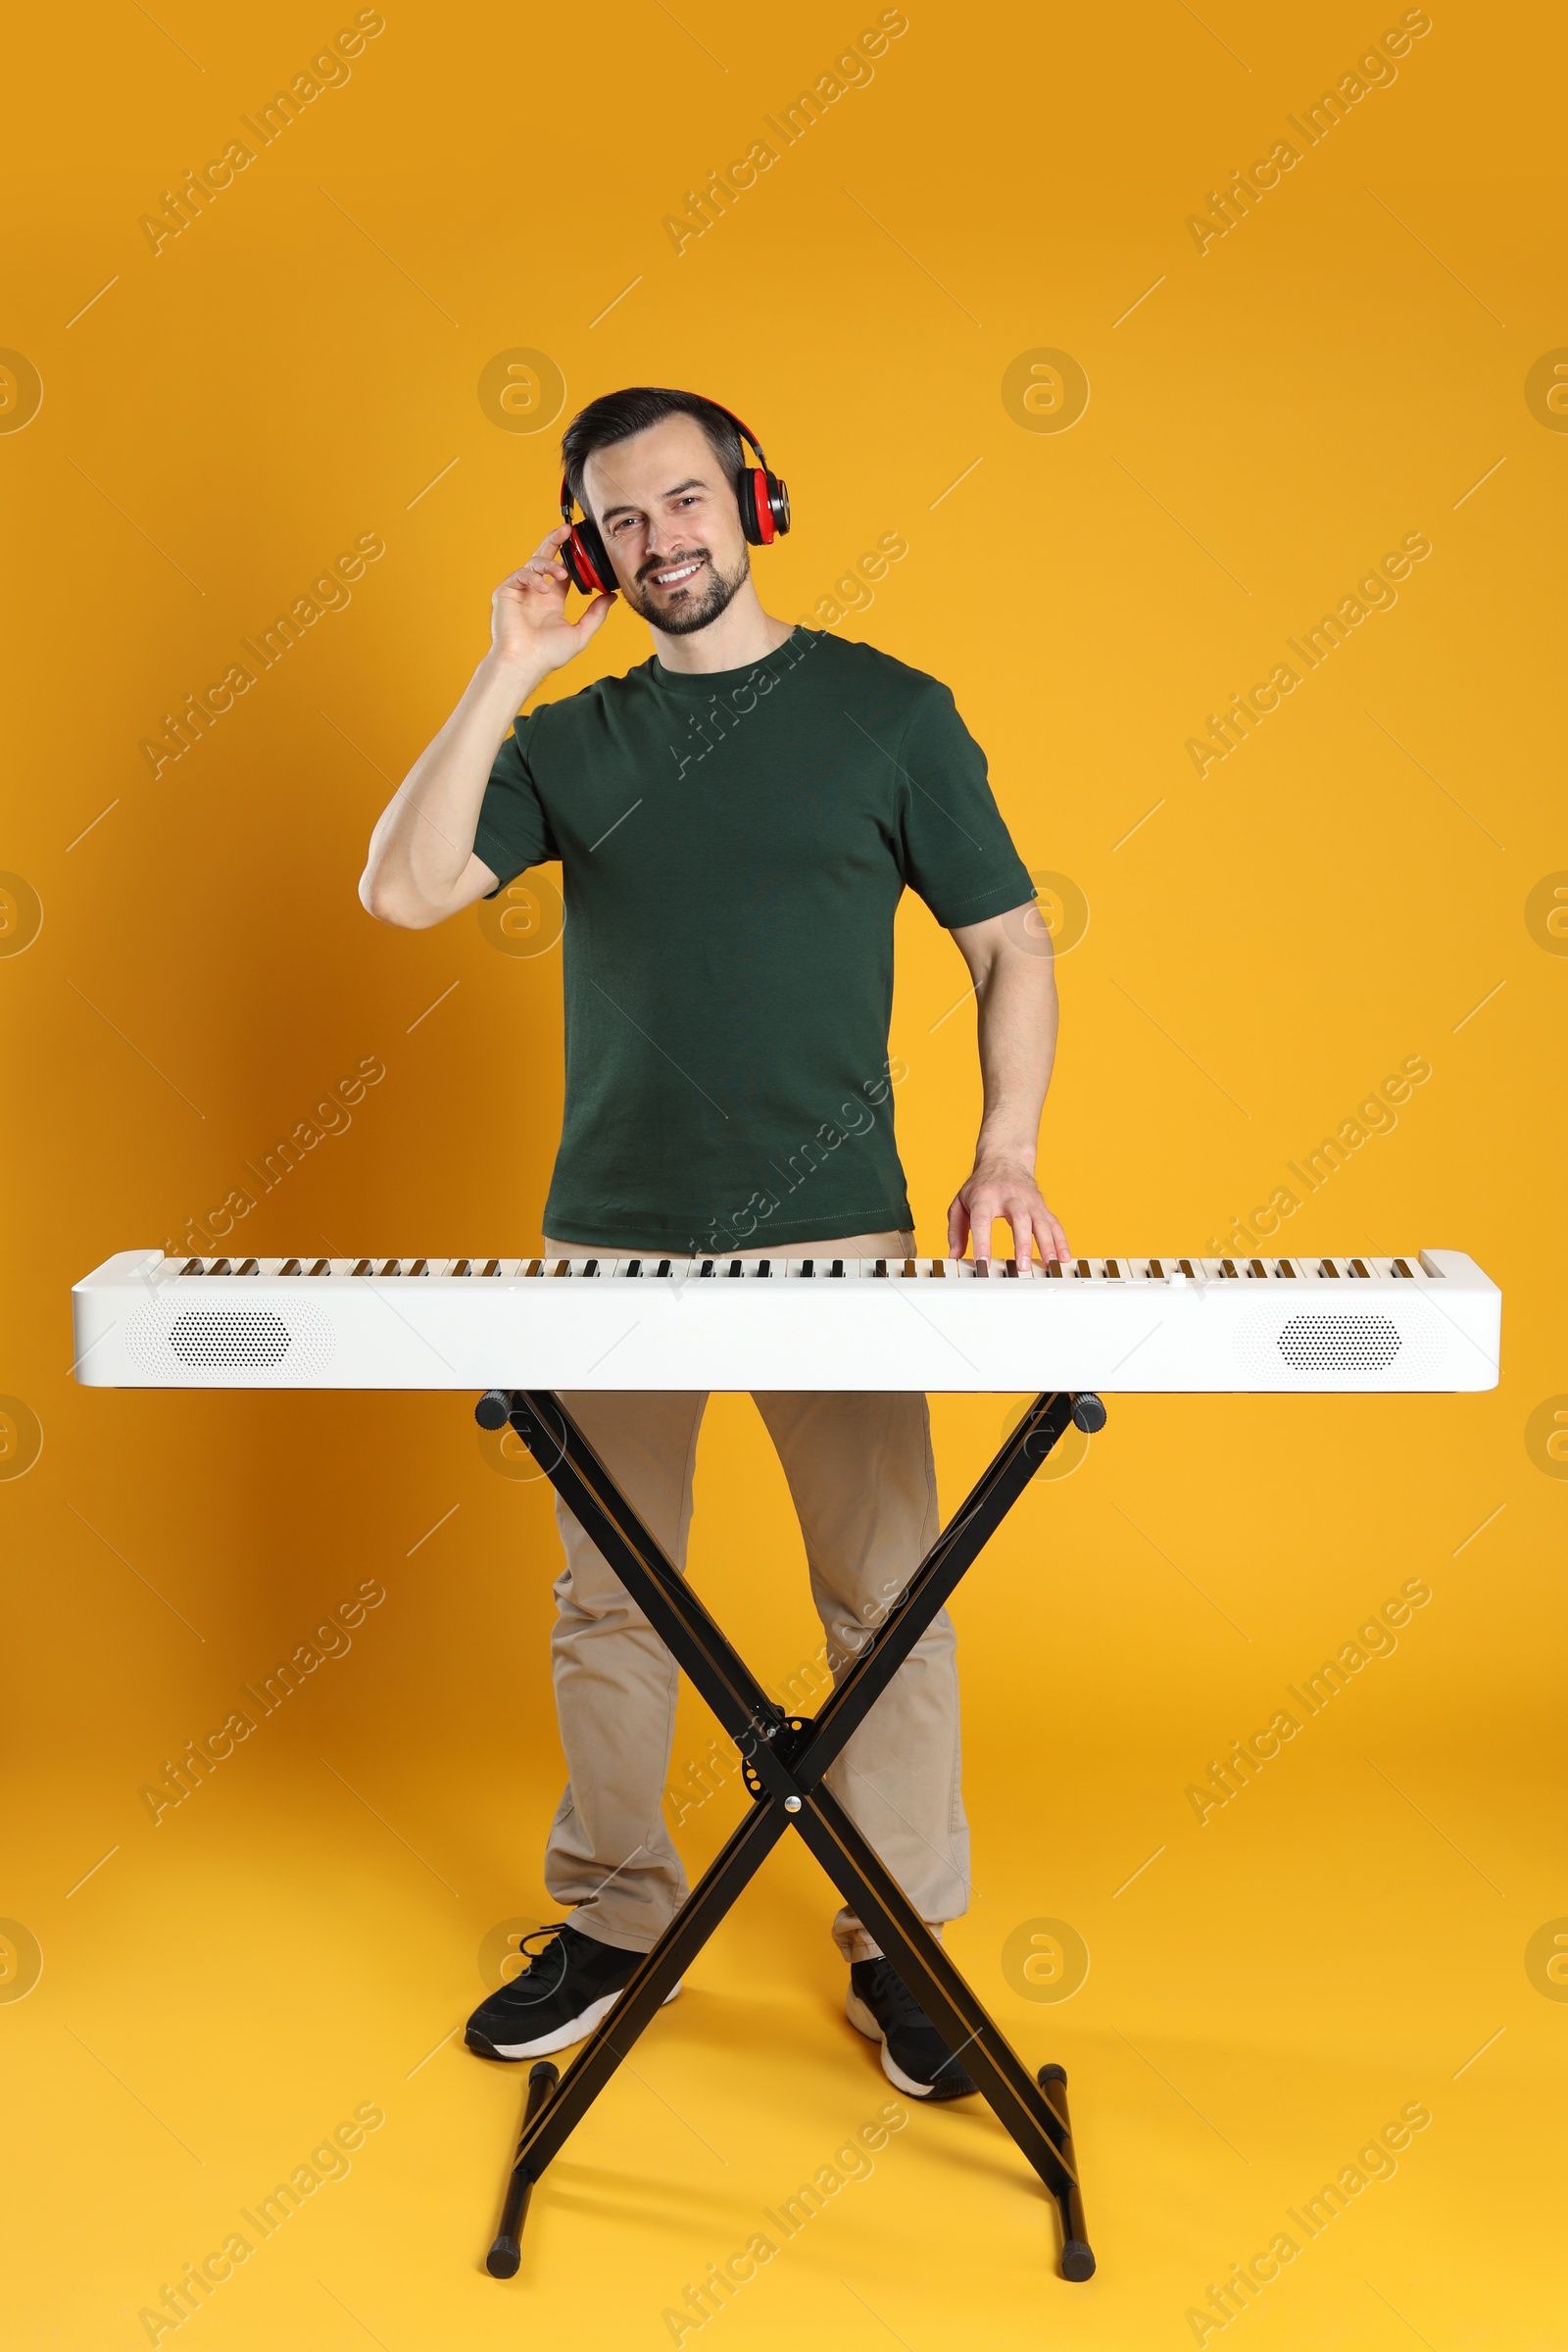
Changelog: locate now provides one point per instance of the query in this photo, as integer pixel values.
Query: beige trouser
(863, 1484)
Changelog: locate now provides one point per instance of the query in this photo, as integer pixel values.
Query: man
(736, 820)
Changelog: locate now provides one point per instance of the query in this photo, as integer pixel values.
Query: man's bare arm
(422, 865)
(1016, 991)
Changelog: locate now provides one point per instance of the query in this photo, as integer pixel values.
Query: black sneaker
(556, 1998)
(914, 2056)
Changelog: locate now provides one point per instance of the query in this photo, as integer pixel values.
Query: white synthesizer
(1429, 1321)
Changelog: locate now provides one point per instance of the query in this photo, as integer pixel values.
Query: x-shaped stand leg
(784, 1759)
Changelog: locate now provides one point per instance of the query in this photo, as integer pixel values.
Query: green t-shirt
(733, 847)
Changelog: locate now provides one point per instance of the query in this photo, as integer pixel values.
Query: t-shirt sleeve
(953, 849)
(513, 831)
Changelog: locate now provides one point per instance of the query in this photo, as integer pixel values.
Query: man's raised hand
(528, 624)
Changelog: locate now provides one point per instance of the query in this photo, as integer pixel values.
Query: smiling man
(736, 820)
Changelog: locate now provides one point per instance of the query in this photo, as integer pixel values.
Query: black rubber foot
(1089, 1413)
(494, 1409)
(1077, 2262)
(505, 2254)
(1050, 2073)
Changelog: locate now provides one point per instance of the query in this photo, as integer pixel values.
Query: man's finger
(590, 617)
(999, 1208)
(547, 550)
(540, 572)
(1023, 1238)
(958, 1227)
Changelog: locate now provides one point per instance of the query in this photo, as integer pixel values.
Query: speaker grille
(247, 1335)
(230, 1345)
(1339, 1342)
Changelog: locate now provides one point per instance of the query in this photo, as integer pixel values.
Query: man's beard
(687, 613)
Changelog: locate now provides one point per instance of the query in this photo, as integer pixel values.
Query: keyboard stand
(783, 1761)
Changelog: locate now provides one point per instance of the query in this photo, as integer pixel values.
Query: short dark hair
(617, 416)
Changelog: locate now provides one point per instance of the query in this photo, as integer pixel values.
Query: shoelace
(892, 1990)
(535, 1989)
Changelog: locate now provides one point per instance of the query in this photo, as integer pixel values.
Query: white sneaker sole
(575, 2030)
(864, 2022)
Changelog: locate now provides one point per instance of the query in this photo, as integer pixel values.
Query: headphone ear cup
(588, 567)
(764, 504)
(745, 482)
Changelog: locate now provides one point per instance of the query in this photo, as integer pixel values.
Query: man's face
(667, 512)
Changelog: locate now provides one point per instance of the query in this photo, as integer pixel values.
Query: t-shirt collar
(703, 683)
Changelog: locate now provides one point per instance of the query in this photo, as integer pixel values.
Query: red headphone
(762, 499)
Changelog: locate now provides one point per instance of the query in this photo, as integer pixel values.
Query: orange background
(1368, 878)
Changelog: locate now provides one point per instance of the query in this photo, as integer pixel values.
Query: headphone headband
(745, 432)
